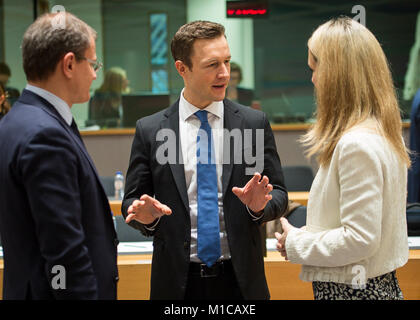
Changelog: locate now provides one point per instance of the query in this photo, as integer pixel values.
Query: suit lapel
(31, 98)
(171, 121)
(232, 120)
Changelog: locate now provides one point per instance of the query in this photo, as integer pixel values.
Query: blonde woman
(105, 105)
(4, 104)
(356, 233)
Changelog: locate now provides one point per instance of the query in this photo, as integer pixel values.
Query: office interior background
(135, 36)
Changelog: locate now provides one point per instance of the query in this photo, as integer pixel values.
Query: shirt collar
(186, 109)
(59, 104)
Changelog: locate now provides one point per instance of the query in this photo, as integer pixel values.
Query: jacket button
(186, 245)
(116, 242)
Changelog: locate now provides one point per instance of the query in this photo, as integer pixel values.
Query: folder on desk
(414, 242)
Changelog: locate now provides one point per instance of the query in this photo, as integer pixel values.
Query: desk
(282, 277)
(300, 197)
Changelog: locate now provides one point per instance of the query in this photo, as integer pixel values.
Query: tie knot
(202, 115)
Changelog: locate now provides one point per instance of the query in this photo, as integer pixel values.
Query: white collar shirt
(59, 104)
(189, 125)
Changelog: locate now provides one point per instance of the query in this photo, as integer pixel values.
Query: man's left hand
(255, 194)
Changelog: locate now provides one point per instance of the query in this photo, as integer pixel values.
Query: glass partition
(139, 76)
(282, 78)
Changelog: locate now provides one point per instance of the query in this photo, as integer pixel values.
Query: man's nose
(224, 72)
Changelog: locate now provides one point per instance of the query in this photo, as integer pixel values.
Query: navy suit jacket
(53, 210)
(172, 236)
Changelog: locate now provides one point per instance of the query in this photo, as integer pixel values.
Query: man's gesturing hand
(146, 210)
(255, 194)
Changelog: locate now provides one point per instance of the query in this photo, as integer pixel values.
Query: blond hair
(114, 81)
(4, 106)
(353, 84)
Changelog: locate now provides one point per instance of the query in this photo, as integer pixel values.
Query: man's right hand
(146, 210)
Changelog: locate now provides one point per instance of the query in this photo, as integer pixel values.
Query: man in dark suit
(190, 183)
(56, 226)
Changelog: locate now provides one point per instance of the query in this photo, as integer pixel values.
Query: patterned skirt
(384, 287)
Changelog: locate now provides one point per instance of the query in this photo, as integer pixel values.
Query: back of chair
(413, 219)
(297, 217)
(126, 233)
(108, 184)
(298, 178)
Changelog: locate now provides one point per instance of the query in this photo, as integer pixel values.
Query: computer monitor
(136, 106)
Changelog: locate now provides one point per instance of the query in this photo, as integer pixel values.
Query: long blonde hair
(353, 84)
(114, 81)
(4, 106)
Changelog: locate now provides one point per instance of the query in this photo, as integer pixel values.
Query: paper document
(135, 247)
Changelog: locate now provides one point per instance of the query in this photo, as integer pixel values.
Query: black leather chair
(297, 217)
(108, 184)
(298, 178)
(413, 219)
(126, 233)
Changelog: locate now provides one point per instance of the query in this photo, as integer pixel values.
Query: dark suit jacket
(172, 236)
(53, 209)
(414, 171)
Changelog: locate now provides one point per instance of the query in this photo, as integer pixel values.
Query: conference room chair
(297, 217)
(108, 184)
(298, 178)
(126, 233)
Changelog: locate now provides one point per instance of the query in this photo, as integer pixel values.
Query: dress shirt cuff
(253, 214)
(152, 226)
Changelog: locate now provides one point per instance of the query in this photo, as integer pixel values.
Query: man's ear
(68, 63)
(181, 67)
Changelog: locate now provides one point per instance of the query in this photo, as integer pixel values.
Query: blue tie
(208, 237)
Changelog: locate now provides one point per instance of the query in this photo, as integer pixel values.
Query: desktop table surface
(282, 277)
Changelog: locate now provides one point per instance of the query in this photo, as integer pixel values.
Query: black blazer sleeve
(272, 169)
(139, 179)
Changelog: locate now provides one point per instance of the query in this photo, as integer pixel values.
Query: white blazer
(356, 216)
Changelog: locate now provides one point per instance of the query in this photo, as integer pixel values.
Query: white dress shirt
(59, 104)
(189, 125)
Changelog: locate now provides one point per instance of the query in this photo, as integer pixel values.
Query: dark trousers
(215, 283)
